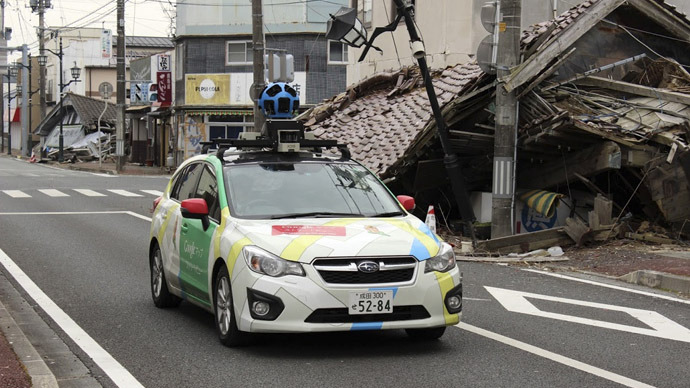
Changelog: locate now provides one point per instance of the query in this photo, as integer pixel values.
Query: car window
(208, 190)
(188, 181)
(268, 190)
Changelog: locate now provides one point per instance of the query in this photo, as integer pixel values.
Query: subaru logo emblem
(367, 266)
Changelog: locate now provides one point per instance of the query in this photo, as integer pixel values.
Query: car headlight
(443, 262)
(269, 264)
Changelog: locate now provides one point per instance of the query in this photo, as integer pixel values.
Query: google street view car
(273, 234)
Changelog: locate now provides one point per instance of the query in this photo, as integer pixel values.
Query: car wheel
(426, 334)
(159, 287)
(226, 323)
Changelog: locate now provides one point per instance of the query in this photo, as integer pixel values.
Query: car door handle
(184, 228)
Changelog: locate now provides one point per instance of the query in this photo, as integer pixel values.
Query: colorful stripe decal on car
(445, 281)
(366, 326)
(431, 244)
(296, 248)
(164, 226)
(235, 251)
(224, 215)
(419, 250)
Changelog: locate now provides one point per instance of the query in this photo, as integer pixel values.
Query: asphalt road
(519, 329)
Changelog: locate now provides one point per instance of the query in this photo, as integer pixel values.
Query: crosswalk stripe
(153, 192)
(53, 193)
(124, 193)
(16, 194)
(89, 193)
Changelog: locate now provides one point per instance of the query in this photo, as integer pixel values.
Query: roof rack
(284, 136)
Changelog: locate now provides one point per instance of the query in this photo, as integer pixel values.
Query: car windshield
(307, 189)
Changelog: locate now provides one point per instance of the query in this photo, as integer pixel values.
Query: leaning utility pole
(120, 115)
(258, 47)
(506, 121)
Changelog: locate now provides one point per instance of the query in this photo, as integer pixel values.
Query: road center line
(632, 290)
(120, 376)
(616, 378)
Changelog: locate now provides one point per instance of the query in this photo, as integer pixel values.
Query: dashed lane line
(16, 194)
(53, 193)
(124, 193)
(89, 193)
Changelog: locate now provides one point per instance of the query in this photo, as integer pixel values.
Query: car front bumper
(310, 305)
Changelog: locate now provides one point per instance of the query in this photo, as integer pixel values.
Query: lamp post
(345, 27)
(75, 71)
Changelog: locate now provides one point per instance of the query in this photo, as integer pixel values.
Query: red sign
(164, 80)
(308, 230)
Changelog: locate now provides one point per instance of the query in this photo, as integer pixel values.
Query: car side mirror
(407, 202)
(196, 208)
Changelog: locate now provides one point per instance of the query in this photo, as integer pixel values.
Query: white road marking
(661, 327)
(153, 192)
(120, 376)
(89, 193)
(29, 174)
(567, 361)
(634, 291)
(133, 214)
(53, 193)
(124, 193)
(16, 194)
(102, 175)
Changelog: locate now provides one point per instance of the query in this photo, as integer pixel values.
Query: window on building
(228, 126)
(364, 11)
(239, 53)
(337, 52)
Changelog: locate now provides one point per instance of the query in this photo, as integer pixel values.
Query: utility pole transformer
(506, 121)
(258, 50)
(120, 115)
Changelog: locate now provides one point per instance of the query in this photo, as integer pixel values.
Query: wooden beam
(663, 17)
(627, 87)
(590, 161)
(566, 38)
(547, 73)
(525, 242)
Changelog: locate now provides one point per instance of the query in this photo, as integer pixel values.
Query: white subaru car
(275, 242)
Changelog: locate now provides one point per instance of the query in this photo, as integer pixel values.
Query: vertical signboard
(163, 62)
(164, 81)
(106, 43)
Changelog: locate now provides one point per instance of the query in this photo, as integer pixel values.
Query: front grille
(391, 270)
(340, 315)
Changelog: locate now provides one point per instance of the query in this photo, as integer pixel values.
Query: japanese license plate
(371, 302)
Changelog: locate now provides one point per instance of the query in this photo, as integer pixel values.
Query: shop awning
(220, 112)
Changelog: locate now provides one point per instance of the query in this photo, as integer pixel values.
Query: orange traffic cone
(431, 219)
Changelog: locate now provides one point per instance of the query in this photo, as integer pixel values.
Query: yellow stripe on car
(431, 245)
(235, 252)
(446, 283)
(164, 226)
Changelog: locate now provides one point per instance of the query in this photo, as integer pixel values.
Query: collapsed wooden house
(603, 110)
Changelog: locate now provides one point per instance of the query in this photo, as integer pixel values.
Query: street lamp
(342, 27)
(75, 71)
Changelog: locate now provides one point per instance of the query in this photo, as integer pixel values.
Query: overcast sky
(143, 18)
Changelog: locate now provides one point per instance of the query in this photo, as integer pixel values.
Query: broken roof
(89, 110)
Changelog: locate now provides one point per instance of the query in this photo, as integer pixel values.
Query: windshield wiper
(315, 215)
(389, 214)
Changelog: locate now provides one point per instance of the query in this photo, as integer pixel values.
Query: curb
(36, 368)
(660, 280)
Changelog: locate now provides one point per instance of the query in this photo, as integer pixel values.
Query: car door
(195, 240)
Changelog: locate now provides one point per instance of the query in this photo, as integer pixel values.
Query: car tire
(226, 322)
(426, 334)
(162, 297)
